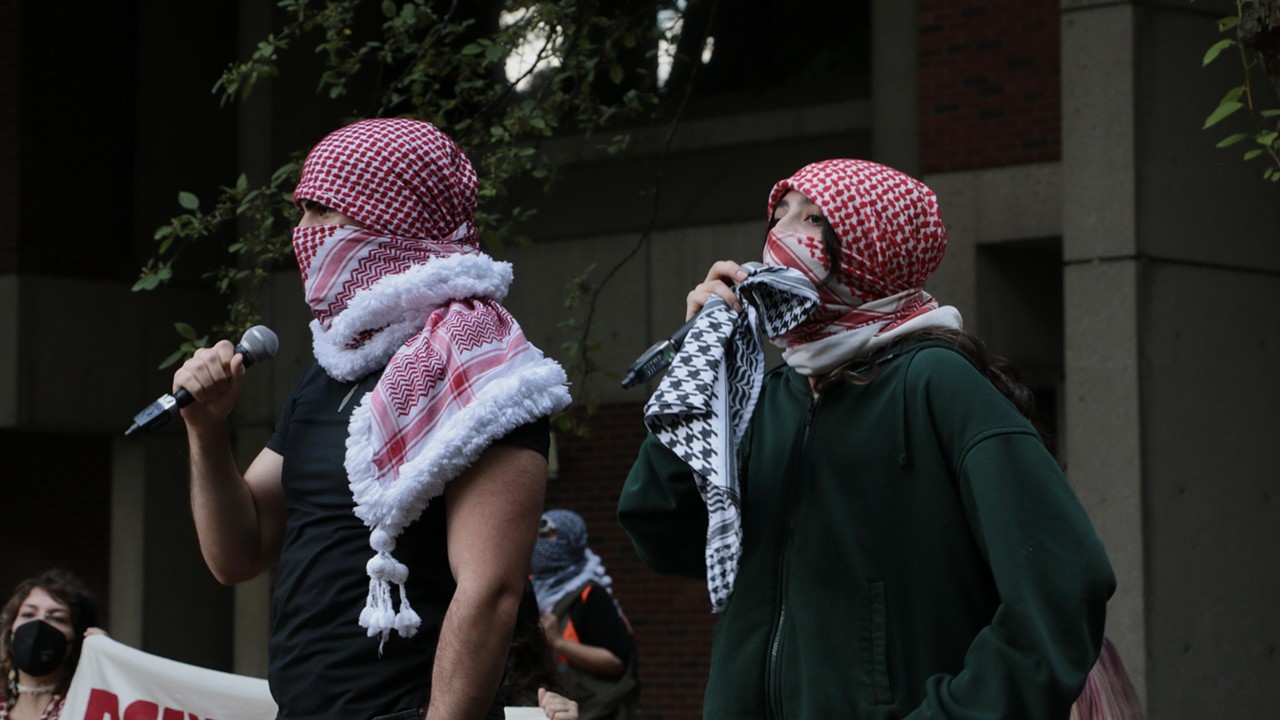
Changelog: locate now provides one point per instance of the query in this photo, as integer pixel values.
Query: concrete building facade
(1097, 238)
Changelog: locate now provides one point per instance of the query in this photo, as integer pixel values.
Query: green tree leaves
(500, 77)
(1216, 49)
(1266, 139)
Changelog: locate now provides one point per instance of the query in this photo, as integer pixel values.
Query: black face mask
(38, 648)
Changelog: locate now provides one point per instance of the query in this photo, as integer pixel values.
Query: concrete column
(251, 623)
(1172, 269)
(895, 126)
(1103, 426)
(128, 507)
(163, 599)
(252, 626)
(1103, 432)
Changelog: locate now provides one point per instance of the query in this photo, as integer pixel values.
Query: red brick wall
(988, 83)
(671, 616)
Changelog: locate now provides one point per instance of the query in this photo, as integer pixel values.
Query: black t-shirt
(323, 665)
(597, 622)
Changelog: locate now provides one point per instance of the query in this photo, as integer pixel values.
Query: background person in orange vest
(585, 627)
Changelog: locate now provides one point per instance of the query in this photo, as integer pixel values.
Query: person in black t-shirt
(400, 491)
(585, 627)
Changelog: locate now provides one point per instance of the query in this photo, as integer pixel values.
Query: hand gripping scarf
(702, 406)
(410, 292)
(891, 240)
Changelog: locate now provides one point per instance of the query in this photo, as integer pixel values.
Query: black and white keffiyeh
(702, 406)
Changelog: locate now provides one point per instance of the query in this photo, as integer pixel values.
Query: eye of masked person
(546, 528)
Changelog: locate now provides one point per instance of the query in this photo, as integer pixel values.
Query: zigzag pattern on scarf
(390, 256)
(401, 389)
(468, 330)
(464, 332)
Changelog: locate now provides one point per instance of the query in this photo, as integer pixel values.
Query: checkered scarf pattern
(892, 239)
(396, 177)
(411, 294)
(701, 409)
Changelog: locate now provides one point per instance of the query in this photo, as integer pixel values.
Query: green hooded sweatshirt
(910, 550)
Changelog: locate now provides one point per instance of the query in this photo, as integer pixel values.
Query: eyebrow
(33, 606)
(804, 200)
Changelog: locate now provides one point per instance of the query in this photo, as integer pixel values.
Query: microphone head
(258, 343)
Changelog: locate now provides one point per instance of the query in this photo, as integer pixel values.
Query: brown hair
(997, 369)
(64, 587)
(529, 660)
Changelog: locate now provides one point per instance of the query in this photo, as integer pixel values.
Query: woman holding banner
(46, 618)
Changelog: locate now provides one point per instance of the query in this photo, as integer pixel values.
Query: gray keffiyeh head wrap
(563, 564)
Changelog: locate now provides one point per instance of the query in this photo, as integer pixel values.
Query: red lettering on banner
(105, 705)
(142, 710)
(102, 705)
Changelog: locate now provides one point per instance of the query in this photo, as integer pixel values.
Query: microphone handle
(658, 357)
(653, 361)
(167, 406)
(677, 337)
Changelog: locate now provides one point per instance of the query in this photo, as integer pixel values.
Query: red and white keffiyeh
(891, 240)
(411, 292)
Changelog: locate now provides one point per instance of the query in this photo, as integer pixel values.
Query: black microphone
(658, 357)
(258, 343)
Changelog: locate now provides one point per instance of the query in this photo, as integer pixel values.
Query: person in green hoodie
(880, 523)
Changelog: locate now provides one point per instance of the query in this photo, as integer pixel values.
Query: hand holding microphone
(210, 378)
(721, 278)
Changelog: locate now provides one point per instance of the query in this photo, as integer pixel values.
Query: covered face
(412, 193)
(41, 633)
(889, 240)
(562, 542)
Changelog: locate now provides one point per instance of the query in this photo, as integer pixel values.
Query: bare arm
(492, 513)
(239, 519)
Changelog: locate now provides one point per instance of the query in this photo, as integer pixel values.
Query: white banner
(116, 682)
